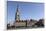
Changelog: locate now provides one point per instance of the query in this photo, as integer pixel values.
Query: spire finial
(17, 7)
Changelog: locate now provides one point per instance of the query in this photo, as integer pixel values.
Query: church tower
(17, 15)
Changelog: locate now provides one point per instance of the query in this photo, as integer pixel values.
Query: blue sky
(28, 10)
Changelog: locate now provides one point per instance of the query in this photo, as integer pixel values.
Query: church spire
(17, 16)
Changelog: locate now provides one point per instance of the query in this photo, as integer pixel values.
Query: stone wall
(20, 24)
